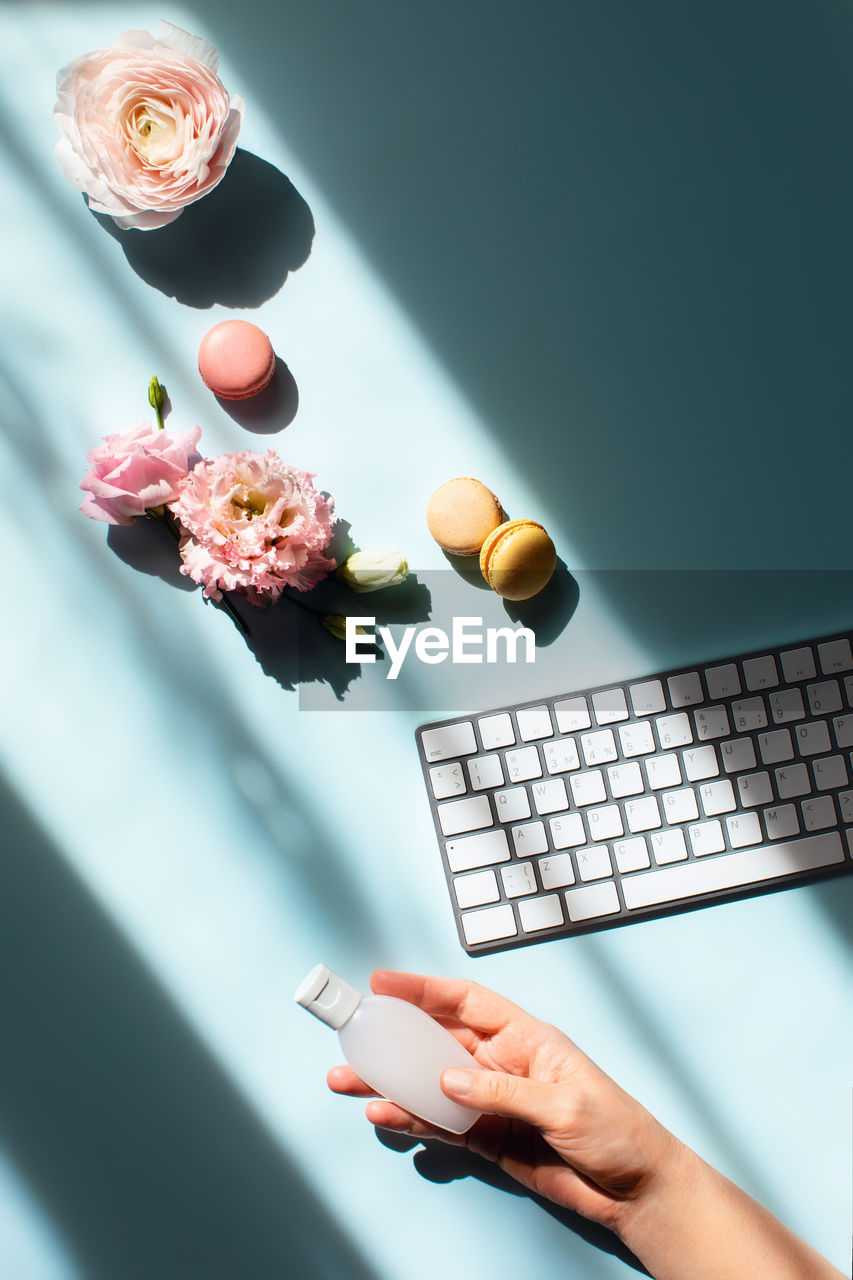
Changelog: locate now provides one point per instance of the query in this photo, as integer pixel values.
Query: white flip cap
(328, 997)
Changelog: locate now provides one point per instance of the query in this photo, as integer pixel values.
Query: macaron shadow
(548, 613)
(272, 409)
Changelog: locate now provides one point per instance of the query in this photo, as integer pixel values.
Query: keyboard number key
(713, 722)
(523, 765)
(674, 731)
(824, 698)
(485, 771)
(786, 705)
(561, 756)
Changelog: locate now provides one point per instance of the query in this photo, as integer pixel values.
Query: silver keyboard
(633, 800)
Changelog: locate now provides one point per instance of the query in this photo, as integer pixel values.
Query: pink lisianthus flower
(252, 524)
(147, 125)
(137, 469)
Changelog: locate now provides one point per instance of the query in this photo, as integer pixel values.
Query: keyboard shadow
(123, 1126)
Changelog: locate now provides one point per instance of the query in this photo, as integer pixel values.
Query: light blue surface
(598, 255)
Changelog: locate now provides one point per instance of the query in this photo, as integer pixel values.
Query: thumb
(499, 1094)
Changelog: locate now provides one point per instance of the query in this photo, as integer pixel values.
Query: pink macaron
(236, 359)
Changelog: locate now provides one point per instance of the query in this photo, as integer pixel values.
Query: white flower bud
(371, 570)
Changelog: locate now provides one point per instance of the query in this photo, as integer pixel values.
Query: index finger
(475, 1006)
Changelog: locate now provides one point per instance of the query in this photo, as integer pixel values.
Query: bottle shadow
(443, 1164)
(234, 248)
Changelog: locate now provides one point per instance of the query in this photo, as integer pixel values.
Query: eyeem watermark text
(469, 641)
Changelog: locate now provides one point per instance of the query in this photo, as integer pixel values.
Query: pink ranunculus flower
(147, 126)
(137, 469)
(252, 524)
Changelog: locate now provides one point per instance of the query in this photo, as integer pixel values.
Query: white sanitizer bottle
(394, 1047)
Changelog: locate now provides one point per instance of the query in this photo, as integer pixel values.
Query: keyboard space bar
(749, 866)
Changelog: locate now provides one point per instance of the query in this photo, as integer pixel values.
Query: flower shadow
(235, 247)
(287, 639)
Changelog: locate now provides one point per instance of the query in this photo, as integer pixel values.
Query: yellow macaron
(460, 513)
(517, 559)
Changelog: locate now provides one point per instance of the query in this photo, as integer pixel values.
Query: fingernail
(457, 1080)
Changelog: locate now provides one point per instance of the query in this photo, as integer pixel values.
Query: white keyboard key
(464, 815)
(529, 839)
(818, 814)
(637, 739)
(748, 866)
(449, 741)
(722, 682)
(744, 829)
(642, 815)
(797, 664)
(523, 764)
(680, 806)
(748, 714)
(824, 698)
(447, 780)
(706, 837)
(550, 797)
(647, 698)
(737, 754)
(781, 822)
(567, 831)
(512, 805)
(713, 722)
(557, 871)
(477, 851)
(534, 723)
(588, 788)
(813, 739)
(663, 771)
(599, 747)
(830, 773)
(591, 901)
(485, 771)
(561, 756)
(845, 805)
(594, 862)
(632, 855)
(775, 746)
(476, 890)
(497, 731)
(793, 780)
(717, 797)
(760, 673)
(848, 689)
(572, 715)
(605, 823)
(835, 656)
(843, 729)
(700, 763)
(755, 789)
(668, 846)
(625, 780)
(786, 705)
(489, 925)
(685, 690)
(518, 879)
(609, 706)
(674, 731)
(540, 913)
